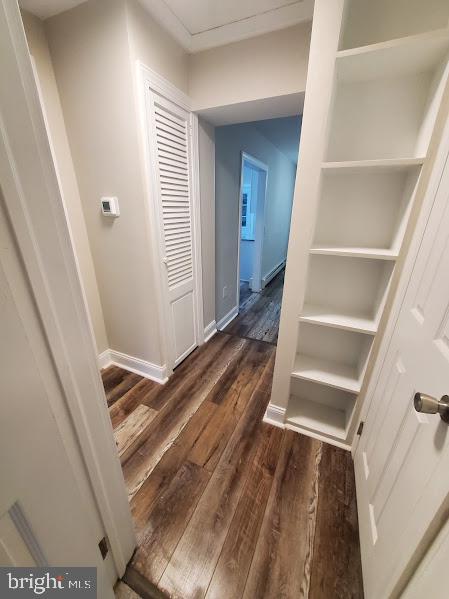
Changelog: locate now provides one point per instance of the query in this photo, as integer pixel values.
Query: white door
(170, 134)
(47, 511)
(402, 460)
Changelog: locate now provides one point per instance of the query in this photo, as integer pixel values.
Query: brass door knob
(426, 404)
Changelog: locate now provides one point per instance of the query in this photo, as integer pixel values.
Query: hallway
(259, 313)
(224, 505)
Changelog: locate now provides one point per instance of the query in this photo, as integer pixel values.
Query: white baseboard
(274, 415)
(104, 359)
(210, 331)
(136, 365)
(223, 322)
(273, 272)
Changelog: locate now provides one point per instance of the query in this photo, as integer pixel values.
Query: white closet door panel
(171, 136)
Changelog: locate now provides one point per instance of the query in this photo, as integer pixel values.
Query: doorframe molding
(258, 241)
(148, 80)
(36, 212)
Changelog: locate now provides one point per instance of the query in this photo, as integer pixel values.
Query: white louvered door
(171, 143)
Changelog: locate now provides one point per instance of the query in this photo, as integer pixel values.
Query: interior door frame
(260, 225)
(37, 217)
(148, 80)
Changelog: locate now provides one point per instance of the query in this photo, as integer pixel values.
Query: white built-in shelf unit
(377, 73)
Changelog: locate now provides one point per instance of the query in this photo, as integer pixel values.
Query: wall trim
(137, 365)
(272, 273)
(164, 87)
(196, 213)
(210, 330)
(274, 415)
(104, 359)
(227, 318)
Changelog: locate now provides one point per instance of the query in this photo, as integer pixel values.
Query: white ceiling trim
(273, 20)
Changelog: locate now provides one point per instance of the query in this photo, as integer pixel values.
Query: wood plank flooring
(224, 505)
(259, 313)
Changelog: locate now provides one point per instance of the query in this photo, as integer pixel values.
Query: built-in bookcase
(381, 75)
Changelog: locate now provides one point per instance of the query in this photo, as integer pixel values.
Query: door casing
(260, 223)
(146, 80)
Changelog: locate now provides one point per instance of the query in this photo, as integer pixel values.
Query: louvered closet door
(171, 140)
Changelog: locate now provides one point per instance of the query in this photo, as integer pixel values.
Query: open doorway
(253, 188)
(255, 170)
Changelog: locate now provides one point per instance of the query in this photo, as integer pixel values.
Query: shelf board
(394, 58)
(320, 418)
(355, 252)
(326, 372)
(355, 166)
(336, 318)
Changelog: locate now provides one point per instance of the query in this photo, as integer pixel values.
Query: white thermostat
(109, 207)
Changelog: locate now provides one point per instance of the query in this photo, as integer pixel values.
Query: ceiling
(283, 133)
(254, 110)
(48, 8)
(201, 24)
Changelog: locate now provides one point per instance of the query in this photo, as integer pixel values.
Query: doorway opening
(253, 189)
(255, 171)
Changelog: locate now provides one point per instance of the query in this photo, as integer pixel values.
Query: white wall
(269, 65)
(37, 43)
(206, 142)
(154, 47)
(230, 142)
(94, 47)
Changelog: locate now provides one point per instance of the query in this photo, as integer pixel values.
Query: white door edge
(58, 292)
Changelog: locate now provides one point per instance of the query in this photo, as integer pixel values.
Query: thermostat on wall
(109, 207)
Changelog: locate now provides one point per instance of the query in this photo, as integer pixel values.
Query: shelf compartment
(365, 209)
(367, 22)
(320, 315)
(389, 116)
(320, 409)
(348, 286)
(398, 57)
(327, 372)
(331, 356)
(355, 252)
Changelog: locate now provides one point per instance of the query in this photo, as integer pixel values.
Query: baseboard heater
(273, 272)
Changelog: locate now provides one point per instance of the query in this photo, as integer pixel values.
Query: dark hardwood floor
(224, 505)
(259, 313)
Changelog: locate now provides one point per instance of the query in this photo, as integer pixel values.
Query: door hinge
(360, 429)
(103, 546)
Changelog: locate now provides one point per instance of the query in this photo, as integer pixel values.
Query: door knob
(426, 404)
